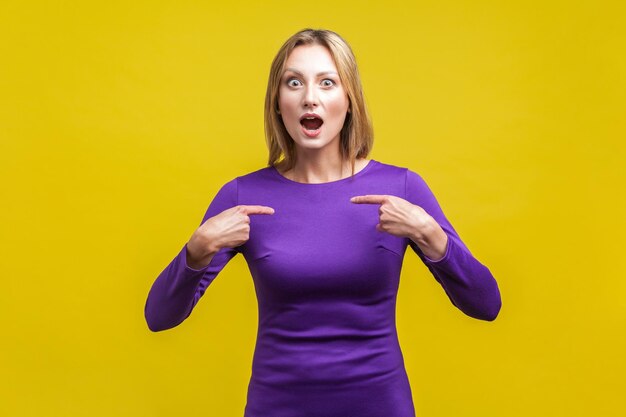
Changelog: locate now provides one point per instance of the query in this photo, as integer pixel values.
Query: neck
(319, 165)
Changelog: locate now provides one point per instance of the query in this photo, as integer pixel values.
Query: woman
(324, 231)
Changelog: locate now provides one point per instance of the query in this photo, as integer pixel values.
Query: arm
(178, 288)
(469, 284)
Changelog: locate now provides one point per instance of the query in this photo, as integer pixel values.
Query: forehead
(310, 59)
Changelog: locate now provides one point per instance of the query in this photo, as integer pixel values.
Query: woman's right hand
(228, 229)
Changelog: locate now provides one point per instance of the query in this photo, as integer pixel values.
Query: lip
(311, 115)
(311, 133)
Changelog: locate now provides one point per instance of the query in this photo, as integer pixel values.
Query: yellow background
(120, 120)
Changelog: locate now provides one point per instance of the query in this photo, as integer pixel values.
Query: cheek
(340, 104)
(286, 104)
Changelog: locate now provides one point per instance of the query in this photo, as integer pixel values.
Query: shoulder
(251, 182)
(249, 177)
(415, 189)
(257, 177)
(230, 191)
(410, 176)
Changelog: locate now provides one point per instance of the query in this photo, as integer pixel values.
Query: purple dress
(326, 283)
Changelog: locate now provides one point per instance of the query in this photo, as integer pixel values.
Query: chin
(313, 144)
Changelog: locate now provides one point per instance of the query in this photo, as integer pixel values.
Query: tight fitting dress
(326, 283)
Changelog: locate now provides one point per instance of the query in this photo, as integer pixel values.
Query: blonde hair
(356, 136)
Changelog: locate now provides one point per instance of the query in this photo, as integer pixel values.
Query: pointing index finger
(258, 210)
(369, 199)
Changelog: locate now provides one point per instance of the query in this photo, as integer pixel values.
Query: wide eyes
(294, 82)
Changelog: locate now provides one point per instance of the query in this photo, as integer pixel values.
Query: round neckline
(356, 174)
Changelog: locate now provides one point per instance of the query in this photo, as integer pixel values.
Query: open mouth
(311, 122)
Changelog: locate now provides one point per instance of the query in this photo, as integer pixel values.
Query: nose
(310, 97)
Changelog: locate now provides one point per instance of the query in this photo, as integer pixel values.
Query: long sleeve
(178, 287)
(469, 284)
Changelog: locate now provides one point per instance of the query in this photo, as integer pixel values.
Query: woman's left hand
(401, 218)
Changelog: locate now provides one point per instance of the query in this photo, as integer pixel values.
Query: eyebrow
(318, 74)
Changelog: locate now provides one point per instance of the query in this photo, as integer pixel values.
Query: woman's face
(311, 99)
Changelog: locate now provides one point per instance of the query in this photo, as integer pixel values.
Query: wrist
(199, 250)
(424, 232)
(431, 239)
